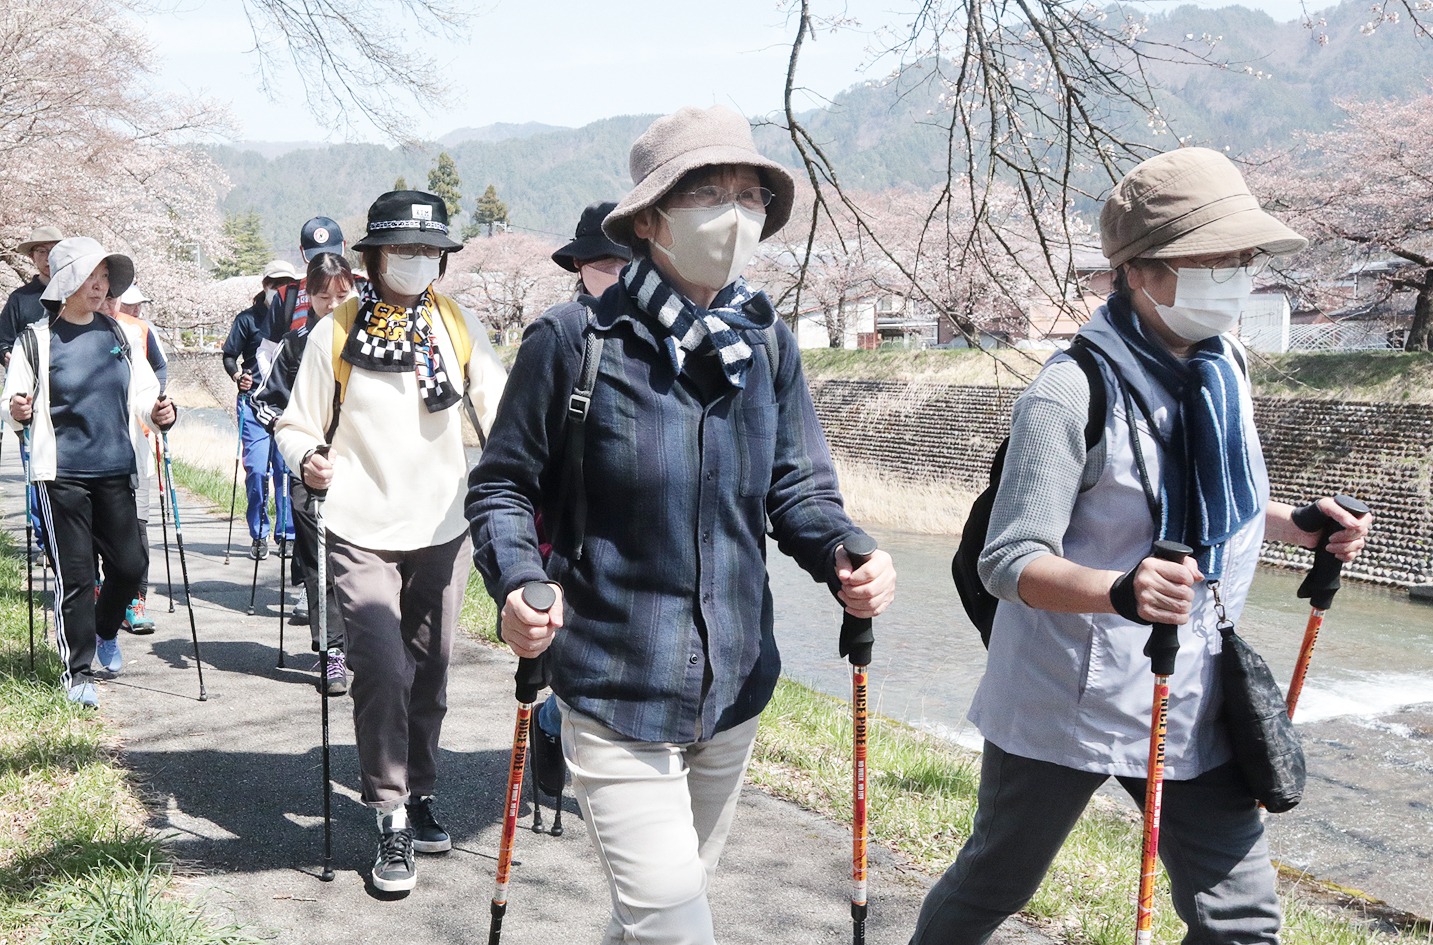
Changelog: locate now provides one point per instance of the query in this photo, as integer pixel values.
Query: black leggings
(82, 517)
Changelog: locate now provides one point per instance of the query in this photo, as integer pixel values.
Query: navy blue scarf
(1208, 490)
(687, 324)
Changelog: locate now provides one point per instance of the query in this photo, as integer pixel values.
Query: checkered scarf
(687, 324)
(391, 339)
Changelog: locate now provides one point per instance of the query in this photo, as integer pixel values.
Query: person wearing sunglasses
(700, 428)
(1065, 704)
(371, 422)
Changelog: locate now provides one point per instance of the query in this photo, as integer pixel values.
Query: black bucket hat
(589, 242)
(408, 216)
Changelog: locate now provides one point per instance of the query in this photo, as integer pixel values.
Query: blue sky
(560, 62)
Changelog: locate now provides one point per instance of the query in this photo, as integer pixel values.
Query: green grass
(1378, 376)
(78, 864)
(922, 802)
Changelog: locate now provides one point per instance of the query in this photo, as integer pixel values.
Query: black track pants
(82, 517)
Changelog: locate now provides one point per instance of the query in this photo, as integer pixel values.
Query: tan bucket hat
(72, 261)
(40, 234)
(688, 139)
(1189, 202)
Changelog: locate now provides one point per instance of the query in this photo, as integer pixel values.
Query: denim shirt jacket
(668, 616)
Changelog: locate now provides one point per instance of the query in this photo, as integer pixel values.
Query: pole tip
(327, 874)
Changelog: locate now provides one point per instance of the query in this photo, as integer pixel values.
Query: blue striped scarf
(1207, 469)
(687, 324)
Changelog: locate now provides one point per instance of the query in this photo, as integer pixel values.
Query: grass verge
(77, 864)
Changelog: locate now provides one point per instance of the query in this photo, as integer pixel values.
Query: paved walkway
(235, 784)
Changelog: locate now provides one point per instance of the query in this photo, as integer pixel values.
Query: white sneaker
(301, 605)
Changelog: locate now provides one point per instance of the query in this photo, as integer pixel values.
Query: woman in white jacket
(77, 385)
(387, 446)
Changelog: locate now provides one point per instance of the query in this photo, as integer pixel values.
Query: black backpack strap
(31, 346)
(579, 402)
(1084, 351)
(1083, 354)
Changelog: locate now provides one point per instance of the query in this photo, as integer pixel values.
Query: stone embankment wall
(1381, 453)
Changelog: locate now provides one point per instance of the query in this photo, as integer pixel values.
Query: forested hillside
(1281, 80)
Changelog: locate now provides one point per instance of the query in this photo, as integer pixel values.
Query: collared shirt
(668, 617)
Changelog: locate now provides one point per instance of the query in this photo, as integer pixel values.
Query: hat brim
(1235, 233)
(24, 248)
(64, 284)
(310, 253)
(408, 238)
(655, 185)
(591, 246)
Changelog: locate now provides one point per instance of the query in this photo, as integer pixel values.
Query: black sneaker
(549, 768)
(259, 550)
(394, 870)
(428, 835)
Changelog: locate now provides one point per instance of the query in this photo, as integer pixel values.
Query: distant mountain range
(879, 134)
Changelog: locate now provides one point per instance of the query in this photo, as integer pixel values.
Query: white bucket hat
(133, 296)
(72, 261)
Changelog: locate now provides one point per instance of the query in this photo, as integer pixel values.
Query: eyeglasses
(1224, 268)
(414, 250)
(753, 198)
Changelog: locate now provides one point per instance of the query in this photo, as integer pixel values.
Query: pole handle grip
(320, 450)
(1163, 644)
(532, 671)
(857, 635)
(1325, 577)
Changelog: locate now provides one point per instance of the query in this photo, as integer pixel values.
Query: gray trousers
(400, 611)
(1211, 842)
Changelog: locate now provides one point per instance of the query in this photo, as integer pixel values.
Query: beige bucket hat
(72, 261)
(1189, 202)
(40, 234)
(684, 141)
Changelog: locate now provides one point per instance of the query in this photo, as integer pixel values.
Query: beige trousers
(659, 814)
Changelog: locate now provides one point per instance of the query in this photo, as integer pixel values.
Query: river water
(1366, 713)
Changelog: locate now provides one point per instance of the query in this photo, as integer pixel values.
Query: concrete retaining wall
(1382, 453)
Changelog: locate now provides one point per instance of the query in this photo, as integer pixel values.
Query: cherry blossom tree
(86, 146)
(508, 280)
(1364, 189)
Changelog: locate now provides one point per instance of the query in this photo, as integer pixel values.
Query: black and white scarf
(392, 339)
(687, 324)
(1208, 489)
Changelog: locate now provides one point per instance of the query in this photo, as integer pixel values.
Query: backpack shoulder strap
(343, 318)
(457, 327)
(579, 402)
(773, 351)
(1083, 354)
(30, 344)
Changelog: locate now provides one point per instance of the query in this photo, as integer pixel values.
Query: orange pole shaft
(1153, 801)
(514, 800)
(859, 838)
(1306, 655)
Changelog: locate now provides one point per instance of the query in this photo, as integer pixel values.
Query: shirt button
(707, 537)
(711, 476)
(694, 659)
(707, 597)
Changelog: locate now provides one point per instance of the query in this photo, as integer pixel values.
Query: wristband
(1122, 597)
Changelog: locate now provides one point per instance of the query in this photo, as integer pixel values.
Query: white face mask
(270, 295)
(409, 276)
(711, 245)
(1207, 302)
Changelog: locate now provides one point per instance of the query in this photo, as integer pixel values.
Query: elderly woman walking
(75, 381)
(372, 421)
(1065, 701)
(700, 429)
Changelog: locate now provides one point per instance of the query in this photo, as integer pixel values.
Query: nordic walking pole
(283, 569)
(530, 679)
(234, 489)
(254, 585)
(318, 496)
(1320, 585)
(857, 639)
(164, 518)
(29, 540)
(1162, 648)
(183, 565)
